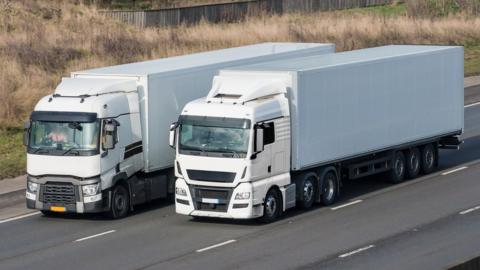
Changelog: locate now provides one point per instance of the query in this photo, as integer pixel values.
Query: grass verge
(12, 153)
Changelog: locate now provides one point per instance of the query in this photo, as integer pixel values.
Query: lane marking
(345, 205)
(95, 235)
(19, 217)
(471, 105)
(217, 245)
(470, 210)
(356, 251)
(455, 170)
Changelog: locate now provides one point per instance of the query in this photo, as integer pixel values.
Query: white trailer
(100, 141)
(276, 134)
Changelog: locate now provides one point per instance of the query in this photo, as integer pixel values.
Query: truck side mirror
(110, 135)
(26, 133)
(172, 135)
(258, 147)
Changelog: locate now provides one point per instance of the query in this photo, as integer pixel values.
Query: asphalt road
(415, 225)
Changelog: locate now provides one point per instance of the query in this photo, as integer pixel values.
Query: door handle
(269, 168)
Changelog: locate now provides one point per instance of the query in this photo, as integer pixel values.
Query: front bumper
(65, 197)
(206, 201)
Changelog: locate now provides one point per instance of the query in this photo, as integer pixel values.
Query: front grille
(61, 199)
(223, 196)
(59, 189)
(212, 207)
(58, 193)
(211, 194)
(211, 176)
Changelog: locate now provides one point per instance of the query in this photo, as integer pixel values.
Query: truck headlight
(180, 191)
(32, 187)
(242, 196)
(90, 190)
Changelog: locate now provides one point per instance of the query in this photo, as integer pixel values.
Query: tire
(397, 173)
(429, 158)
(308, 191)
(120, 204)
(330, 188)
(413, 160)
(272, 206)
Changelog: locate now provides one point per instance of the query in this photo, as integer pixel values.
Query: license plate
(57, 208)
(207, 200)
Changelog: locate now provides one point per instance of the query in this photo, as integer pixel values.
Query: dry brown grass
(40, 41)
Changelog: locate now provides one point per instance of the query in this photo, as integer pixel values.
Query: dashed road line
(471, 105)
(455, 170)
(345, 205)
(93, 236)
(356, 251)
(19, 217)
(470, 210)
(216, 245)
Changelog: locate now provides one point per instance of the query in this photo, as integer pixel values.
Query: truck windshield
(199, 138)
(64, 138)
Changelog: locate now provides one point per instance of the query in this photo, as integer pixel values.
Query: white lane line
(217, 245)
(345, 205)
(95, 235)
(19, 217)
(470, 210)
(356, 251)
(455, 170)
(471, 105)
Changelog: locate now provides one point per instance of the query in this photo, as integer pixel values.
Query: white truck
(278, 134)
(99, 143)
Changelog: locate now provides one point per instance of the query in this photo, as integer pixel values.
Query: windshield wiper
(38, 149)
(69, 150)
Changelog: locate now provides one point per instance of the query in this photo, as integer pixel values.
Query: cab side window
(268, 133)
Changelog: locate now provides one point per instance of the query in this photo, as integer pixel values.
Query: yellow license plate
(57, 208)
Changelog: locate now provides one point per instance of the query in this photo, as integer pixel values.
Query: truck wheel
(397, 174)
(120, 202)
(429, 156)
(308, 191)
(272, 206)
(330, 187)
(413, 163)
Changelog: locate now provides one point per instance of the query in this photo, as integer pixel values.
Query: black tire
(308, 191)
(397, 173)
(120, 204)
(429, 158)
(413, 159)
(330, 188)
(272, 206)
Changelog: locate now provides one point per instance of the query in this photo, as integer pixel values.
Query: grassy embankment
(41, 41)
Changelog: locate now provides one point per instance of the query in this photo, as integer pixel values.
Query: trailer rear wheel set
(324, 186)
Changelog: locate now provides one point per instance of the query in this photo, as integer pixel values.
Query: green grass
(12, 153)
(472, 60)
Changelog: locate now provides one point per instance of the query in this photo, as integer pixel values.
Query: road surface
(428, 223)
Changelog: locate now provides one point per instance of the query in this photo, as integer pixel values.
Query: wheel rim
(120, 202)
(270, 205)
(414, 162)
(429, 158)
(399, 167)
(308, 191)
(329, 188)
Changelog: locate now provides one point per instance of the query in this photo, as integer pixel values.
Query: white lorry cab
(277, 134)
(99, 143)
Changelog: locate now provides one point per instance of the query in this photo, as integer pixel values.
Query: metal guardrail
(230, 12)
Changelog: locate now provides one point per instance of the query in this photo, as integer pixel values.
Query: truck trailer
(279, 134)
(99, 143)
